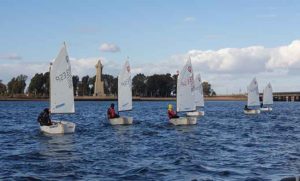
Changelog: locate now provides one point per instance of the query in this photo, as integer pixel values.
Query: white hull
(59, 127)
(252, 111)
(266, 109)
(195, 114)
(183, 121)
(121, 121)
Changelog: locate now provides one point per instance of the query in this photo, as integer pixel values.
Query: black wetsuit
(44, 119)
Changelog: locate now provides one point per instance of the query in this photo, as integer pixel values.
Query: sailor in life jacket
(171, 112)
(44, 118)
(111, 112)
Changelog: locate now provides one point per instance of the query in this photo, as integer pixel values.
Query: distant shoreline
(113, 98)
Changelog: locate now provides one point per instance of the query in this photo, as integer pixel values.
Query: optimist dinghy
(253, 98)
(61, 94)
(197, 91)
(124, 96)
(267, 99)
(184, 97)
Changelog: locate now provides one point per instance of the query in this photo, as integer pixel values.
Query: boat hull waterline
(59, 127)
(266, 109)
(183, 121)
(252, 111)
(121, 121)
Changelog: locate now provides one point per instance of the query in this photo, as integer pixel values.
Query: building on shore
(99, 85)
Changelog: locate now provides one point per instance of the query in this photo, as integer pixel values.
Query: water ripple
(224, 145)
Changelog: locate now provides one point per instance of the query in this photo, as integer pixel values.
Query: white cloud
(228, 69)
(231, 69)
(285, 57)
(10, 70)
(109, 47)
(231, 60)
(189, 19)
(80, 67)
(12, 56)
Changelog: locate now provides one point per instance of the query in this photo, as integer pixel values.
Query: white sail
(61, 84)
(185, 98)
(268, 95)
(198, 91)
(253, 94)
(124, 89)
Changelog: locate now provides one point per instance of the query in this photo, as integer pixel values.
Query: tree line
(157, 85)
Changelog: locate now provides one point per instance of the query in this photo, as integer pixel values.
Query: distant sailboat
(124, 95)
(267, 98)
(61, 93)
(253, 98)
(184, 97)
(197, 91)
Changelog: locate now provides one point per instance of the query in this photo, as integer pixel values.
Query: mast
(50, 84)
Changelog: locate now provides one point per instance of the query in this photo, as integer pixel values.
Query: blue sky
(147, 31)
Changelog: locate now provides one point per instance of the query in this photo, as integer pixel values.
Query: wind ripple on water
(224, 145)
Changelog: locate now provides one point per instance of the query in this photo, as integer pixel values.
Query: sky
(229, 42)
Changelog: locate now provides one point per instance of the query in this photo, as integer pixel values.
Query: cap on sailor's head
(46, 110)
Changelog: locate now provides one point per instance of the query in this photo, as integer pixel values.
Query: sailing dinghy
(61, 94)
(267, 98)
(253, 98)
(124, 96)
(197, 91)
(184, 97)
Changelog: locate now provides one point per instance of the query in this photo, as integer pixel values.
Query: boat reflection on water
(59, 147)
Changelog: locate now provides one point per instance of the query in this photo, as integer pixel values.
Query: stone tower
(99, 85)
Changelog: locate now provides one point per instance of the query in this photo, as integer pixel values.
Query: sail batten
(184, 96)
(125, 89)
(268, 95)
(61, 84)
(253, 94)
(198, 91)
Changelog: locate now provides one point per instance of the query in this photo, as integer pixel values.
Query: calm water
(224, 145)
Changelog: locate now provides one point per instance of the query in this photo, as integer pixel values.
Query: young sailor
(246, 108)
(171, 112)
(44, 118)
(111, 113)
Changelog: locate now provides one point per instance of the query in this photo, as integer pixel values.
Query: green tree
(207, 90)
(2, 88)
(46, 85)
(75, 80)
(37, 85)
(138, 85)
(174, 88)
(17, 85)
(92, 81)
(160, 85)
(109, 84)
(114, 87)
(85, 85)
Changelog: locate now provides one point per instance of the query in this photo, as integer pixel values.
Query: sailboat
(253, 98)
(124, 95)
(61, 93)
(267, 98)
(197, 91)
(184, 97)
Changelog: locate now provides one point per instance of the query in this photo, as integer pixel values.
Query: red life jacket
(171, 113)
(111, 113)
